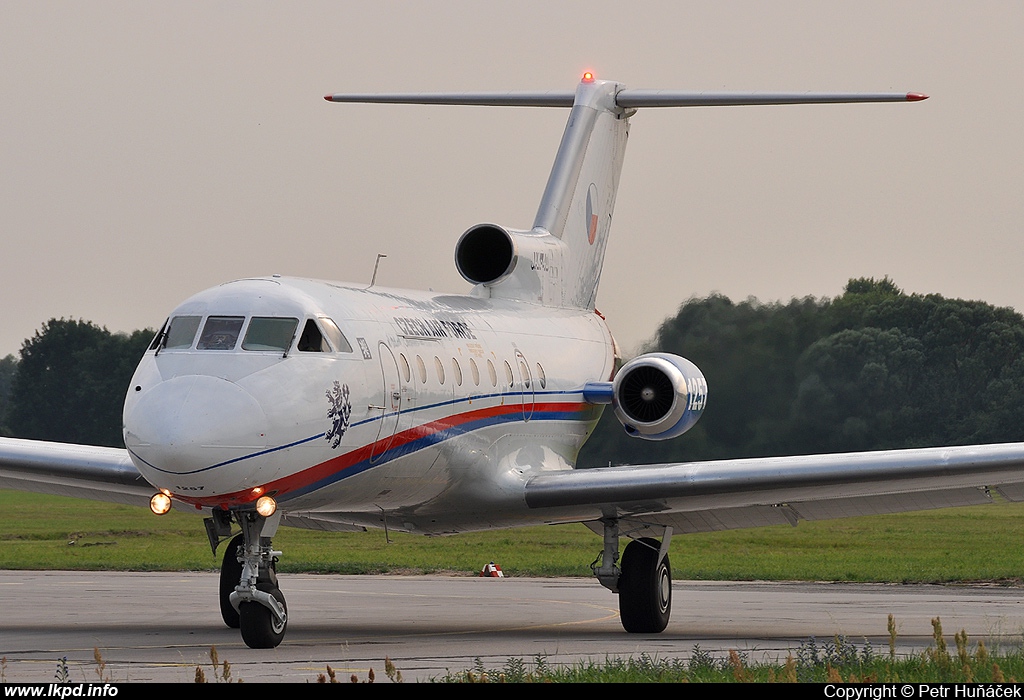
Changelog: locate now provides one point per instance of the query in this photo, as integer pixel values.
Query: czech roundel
(591, 214)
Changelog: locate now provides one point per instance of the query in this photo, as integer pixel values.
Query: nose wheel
(250, 599)
(261, 628)
(230, 575)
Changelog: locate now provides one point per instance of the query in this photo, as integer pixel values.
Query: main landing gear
(250, 599)
(644, 581)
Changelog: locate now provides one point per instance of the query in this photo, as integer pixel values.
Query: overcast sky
(150, 150)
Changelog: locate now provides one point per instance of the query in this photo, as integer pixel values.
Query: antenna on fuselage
(373, 279)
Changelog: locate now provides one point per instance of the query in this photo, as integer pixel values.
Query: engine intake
(485, 254)
(659, 396)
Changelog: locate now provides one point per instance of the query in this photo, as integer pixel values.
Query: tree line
(69, 382)
(874, 368)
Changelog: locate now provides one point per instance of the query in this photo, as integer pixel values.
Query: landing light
(160, 503)
(266, 506)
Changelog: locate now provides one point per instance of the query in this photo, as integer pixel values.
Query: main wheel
(230, 575)
(260, 629)
(645, 587)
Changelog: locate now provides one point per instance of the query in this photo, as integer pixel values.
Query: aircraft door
(391, 402)
(526, 385)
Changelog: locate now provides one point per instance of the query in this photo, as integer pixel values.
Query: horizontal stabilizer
(632, 99)
(627, 98)
(559, 98)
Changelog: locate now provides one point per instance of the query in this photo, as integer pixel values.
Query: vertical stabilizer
(580, 195)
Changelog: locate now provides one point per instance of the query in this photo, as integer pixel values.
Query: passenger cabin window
(181, 332)
(220, 333)
(270, 334)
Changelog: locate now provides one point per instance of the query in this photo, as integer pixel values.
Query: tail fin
(580, 195)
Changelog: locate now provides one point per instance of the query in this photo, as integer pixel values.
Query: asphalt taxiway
(160, 626)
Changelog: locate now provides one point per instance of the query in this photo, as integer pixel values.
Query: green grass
(737, 669)
(836, 660)
(965, 544)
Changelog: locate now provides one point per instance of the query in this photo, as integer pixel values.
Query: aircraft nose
(188, 424)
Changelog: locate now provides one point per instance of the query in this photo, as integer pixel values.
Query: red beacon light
(588, 77)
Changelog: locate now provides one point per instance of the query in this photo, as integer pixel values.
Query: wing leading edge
(81, 471)
(731, 494)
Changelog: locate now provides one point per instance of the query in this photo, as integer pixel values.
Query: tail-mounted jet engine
(485, 254)
(657, 396)
(521, 265)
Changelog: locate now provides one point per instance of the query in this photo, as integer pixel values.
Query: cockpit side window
(159, 336)
(315, 340)
(335, 335)
(312, 340)
(219, 333)
(270, 333)
(181, 332)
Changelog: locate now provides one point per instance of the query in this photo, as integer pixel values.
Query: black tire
(230, 575)
(645, 588)
(260, 629)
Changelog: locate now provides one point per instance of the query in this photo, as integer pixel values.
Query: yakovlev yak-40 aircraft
(278, 401)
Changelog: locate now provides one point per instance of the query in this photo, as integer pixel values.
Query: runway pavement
(159, 626)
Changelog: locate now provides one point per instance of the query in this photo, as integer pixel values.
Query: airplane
(281, 401)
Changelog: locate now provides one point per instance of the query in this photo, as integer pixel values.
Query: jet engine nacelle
(486, 254)
(521, 265)
(658, 396)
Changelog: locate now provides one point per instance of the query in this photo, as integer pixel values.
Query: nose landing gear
(230, 575)
(250, 598)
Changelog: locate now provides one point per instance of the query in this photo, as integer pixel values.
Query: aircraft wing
(739, 493)
(81, 471)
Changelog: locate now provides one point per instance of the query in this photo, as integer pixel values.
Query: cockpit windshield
(270, 333)
(220, 333)
(182, 332)
(262, 334)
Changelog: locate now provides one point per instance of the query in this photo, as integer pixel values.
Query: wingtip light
(328, 98)
(916, 96)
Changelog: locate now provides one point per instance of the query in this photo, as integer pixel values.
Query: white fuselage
(430, 412)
